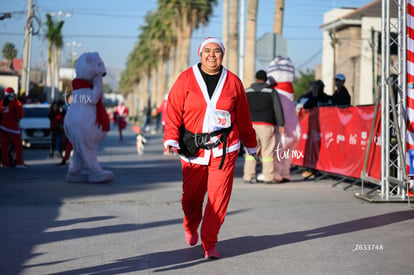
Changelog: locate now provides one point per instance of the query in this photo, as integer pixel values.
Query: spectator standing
(155, 119)
(341, 95)
(315, 96)
(162, 109)
(208, 112)
(266, 113)
(56, 116)
(11, 111)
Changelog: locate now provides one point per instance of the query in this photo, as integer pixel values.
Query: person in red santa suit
(121, 115)
(207, 116)
(11, 111)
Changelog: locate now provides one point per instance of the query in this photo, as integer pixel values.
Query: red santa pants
(199, 179)
(16, 140)
(121, 125)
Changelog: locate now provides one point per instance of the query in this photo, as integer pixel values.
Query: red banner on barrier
(335, 140)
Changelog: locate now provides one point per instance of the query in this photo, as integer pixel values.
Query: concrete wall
(356, 56)
(327, 74)
(9, 81)
(348, 59)
(370, 59)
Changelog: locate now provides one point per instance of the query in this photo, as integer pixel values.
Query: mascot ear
(89, 58)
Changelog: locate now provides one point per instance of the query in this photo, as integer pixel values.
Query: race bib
(221, 119)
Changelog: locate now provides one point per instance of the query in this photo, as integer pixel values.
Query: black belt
(202, 140)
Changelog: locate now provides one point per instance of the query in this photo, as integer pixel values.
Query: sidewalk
(134, 224)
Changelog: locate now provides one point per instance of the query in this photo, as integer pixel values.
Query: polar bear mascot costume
(87, 122)
(281, 74)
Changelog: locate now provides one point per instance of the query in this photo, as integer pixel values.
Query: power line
(310, 59)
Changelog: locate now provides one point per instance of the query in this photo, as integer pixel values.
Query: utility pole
(226, 29)
(25, 80)
(334, 41)
(241, 45)
(278, 21)
(233, 51)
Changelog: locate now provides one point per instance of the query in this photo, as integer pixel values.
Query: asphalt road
(133, 225)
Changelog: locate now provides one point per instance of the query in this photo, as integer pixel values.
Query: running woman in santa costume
(207, 116)
(11, 111)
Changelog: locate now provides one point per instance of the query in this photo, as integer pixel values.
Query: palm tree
(164, 39)
(55, 43)
(278, 20)
(250, 45)
(129, 80)
(137, 71)
(9, 53)
(147, 61)
(188, 15)
(233, 51)
(225, 34)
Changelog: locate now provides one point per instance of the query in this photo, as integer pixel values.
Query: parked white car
(35, 125)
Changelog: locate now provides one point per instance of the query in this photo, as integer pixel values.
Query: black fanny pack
(191, 143)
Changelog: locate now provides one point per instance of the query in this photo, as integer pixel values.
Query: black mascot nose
(104, 74)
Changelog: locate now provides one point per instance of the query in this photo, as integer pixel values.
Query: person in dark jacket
(56, 116)
(341, 95)
(315, 97)
(267, 114)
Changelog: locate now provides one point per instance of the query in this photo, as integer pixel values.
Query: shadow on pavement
(37, 193)
(182, 258)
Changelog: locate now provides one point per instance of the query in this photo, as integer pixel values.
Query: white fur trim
(210, 40)
(211, 103)
(172, 143)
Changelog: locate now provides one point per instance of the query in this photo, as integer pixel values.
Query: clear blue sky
(111, 27)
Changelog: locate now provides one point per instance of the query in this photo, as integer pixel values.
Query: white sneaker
(20, 166)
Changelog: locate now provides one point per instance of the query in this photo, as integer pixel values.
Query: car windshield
(36, 112)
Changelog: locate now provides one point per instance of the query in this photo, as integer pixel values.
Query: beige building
(351, 46)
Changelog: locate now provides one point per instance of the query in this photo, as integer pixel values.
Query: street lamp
(74, 54)
(61, 14)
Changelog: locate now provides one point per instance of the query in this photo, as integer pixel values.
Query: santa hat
(210, 40)
(9, 91)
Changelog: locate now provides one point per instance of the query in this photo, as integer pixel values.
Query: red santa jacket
(121, 111)
(190, 105)
(11, 115)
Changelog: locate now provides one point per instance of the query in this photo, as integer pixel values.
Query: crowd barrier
(335, 140)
